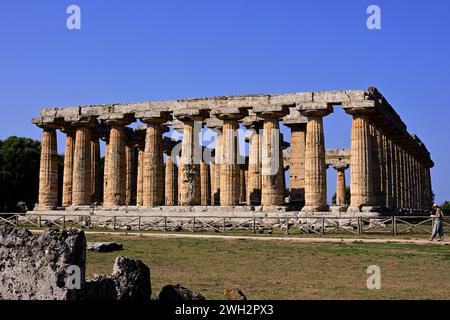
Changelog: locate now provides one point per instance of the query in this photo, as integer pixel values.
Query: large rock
(177, 292)
(104, 246)
(40, 268)
(34, 267)
(132, 278)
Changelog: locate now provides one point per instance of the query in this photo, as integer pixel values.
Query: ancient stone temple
(146, 168)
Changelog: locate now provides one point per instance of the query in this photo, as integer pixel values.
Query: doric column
(388, 182)
(297, 161)
(95, 169)
(205, 184)
(399, 175)
(140, 175)
(253, 197)
(229, 168)
(115, 162)
(81, 192)
(171, 179)
(315, 166)
(131, 168)
(380, 163)
(191, 155)
(272, 168)
(341, 199)
(68, 167)
(361, 165)
(393, 181)
(215, 172)
(242, 182)
(48, 171)
(154, 182)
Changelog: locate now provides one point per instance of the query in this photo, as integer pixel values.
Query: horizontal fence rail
(319, 225)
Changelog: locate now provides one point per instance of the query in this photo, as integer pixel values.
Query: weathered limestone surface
(81, 191)
(35, 268)
(361, 183)
(116, 166)
(68, 169)
(171, 188)
(95, 170)
(254, 165)
(340, 186)
(175, 293)
(315, 165)
(153, 190)
(205, 185)
(297, 163)
(272, 168)
(40, 268)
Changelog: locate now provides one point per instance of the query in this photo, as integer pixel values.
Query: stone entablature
(390, 169)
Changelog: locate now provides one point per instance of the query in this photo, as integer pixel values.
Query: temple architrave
(144, 168)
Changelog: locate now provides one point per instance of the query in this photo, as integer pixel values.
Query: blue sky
(150, 50)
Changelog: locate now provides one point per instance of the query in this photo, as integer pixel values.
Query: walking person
(438, 227)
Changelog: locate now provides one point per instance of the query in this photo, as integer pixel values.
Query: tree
(445, 206)
(19, 172)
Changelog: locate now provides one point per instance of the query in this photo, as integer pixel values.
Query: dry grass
(286, 270)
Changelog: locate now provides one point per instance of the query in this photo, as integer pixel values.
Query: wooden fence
(320, 225)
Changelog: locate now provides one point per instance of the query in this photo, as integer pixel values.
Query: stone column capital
(47, 124)
(230, 113)
(153, 117)
(253, 122)
(276, 111)
(191, 115)
(314, 109)
(358, 108)
(341, 167)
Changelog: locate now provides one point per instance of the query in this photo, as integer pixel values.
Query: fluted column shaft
(215, 174)
(189, 170)
(115, 193)
(140, 176)
(271, 164)
(297, 164)
(154, 184)
(48, 172)
(131, 159)
(340, 187)
(205, 184)
(243, 185)
(361, 185)
(95, 170)
(229, 169)
(81, 192)
(171, 189)
(254, 168)
(315, 167)
(68, 168)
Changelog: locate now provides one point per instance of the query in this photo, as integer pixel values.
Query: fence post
(17, 220)
(114, 223)
(223, 226)
(323, 226)
(64, 222)
(40, 221)
(165, 224)
(139, 224)
(287, 226)
(193, 225)
(254, 225)
(359, 223)
(395, 226)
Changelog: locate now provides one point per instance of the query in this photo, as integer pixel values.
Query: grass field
(285, 270)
